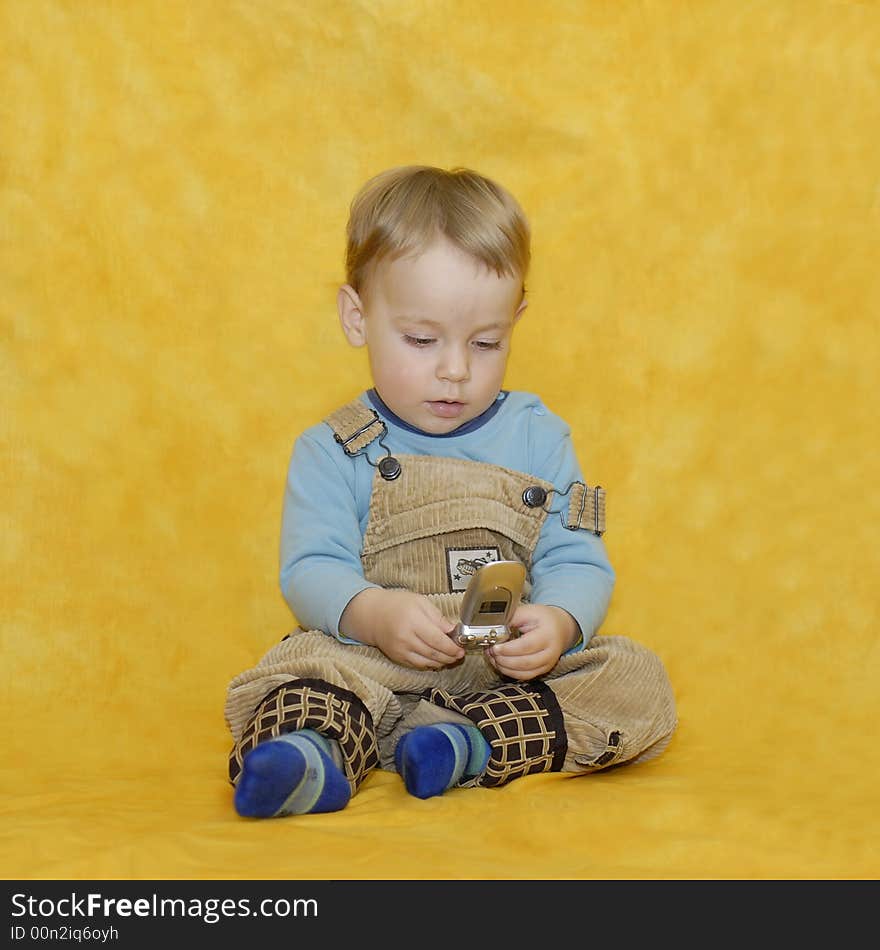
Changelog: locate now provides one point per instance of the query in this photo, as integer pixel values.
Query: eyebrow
(436, 325)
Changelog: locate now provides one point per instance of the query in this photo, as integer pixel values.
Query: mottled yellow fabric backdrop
(702, 181)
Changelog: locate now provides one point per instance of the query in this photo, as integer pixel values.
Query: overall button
(534, 496)
(389, 468)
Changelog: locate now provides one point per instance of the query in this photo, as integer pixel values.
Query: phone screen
(492, 594)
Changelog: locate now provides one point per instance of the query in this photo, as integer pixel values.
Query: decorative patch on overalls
(313, 704)
(463, 563)
(522, 723)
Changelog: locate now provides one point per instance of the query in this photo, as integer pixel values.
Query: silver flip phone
(493, 594)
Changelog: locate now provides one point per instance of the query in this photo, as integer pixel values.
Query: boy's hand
(545, 634)
(405, 626)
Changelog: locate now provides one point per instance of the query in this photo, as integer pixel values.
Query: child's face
(437, 328)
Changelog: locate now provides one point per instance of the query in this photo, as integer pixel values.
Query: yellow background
(702, 182)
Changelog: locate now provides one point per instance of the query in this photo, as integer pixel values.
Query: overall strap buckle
(355, 427)
(586, 508)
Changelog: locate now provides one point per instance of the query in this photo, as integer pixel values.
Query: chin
(435, 426)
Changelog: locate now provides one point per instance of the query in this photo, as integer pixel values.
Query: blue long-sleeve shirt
(327, 503)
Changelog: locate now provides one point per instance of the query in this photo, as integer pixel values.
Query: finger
(437, 619)
(513, 673)
(439, 645)
(530, 664)
(523, 617)
(434, 657)
(515, 646)
(419, 661)
(444, 657)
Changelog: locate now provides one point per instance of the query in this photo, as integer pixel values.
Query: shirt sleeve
(320, 538)
(570, 569)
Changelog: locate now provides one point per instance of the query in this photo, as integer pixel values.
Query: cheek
(495, 365)
(397, 367)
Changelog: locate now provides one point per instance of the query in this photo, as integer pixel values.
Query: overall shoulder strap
(355, 426)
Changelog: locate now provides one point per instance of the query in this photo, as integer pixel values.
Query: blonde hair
(402, 210)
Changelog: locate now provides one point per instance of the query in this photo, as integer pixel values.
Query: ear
(351, 315)
(522, 306)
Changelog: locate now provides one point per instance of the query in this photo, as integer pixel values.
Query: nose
(453, 364)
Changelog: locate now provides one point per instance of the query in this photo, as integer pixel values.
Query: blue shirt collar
(474, 424)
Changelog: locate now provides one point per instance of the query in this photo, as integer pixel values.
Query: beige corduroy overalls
(608, 704)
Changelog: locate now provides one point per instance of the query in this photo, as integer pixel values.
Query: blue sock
(431, 759)
(290, 775)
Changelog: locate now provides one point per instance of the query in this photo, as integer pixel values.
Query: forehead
(441, 274)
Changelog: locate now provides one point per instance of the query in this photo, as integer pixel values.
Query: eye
(418, 340)
(487, 344)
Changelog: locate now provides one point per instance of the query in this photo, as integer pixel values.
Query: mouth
(446, 408)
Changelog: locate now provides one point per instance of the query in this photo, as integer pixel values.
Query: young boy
(395, 499)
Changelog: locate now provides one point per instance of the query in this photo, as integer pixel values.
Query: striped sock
(431, 759)
(291, 775)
